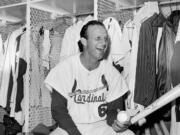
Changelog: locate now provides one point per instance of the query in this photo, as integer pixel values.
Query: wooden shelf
(63, 7)
(14, 12)
(17, 12)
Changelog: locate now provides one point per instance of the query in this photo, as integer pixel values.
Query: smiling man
(87, 90)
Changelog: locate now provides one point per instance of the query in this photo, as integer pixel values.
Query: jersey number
(102, 110)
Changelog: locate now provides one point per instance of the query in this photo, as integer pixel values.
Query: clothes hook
(41, 31)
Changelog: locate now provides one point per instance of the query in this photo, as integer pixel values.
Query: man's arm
(60, 114)
(112, 109)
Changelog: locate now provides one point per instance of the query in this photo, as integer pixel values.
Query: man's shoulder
(109, 68)
(108, 64)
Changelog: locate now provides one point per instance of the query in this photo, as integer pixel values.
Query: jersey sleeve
(117, 85)
(58, 79)
(60, 114)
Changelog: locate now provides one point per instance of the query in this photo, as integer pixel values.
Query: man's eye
(101, 39)
(98, 38)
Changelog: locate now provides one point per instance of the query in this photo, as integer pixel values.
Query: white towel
(46, 49)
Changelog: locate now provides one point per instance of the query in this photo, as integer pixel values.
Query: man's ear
(83, 41)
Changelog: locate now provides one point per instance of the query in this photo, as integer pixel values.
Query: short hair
(83, 33)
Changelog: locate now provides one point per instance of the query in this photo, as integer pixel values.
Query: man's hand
(119, 127)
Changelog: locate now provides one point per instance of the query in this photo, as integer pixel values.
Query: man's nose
(103, 43)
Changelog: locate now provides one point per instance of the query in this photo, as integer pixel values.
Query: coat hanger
(128, 23)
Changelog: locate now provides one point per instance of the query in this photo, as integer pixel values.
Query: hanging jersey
(87, 92)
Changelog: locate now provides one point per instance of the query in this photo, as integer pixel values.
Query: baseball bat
(160, 102)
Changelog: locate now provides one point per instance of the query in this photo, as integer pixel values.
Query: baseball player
(87, 90)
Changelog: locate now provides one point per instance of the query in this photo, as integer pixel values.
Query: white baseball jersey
(86, 91)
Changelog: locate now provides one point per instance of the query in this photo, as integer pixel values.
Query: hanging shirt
(126, 40)
(117, 49)
(71, 37)
(17, 110)
(8, 65)
(69, 45)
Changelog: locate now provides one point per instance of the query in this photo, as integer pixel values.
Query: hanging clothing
(55, 50)
(148, 10)
(46, 45)
(126, 40)
(17, 93)
(117, 49)
(175, 75)
(21, 72)
(9, 65)
(19, 112)
(56, 42)
(159, 35)
(34, 73)
(1, 58)
(69, 44)
(13, 82)
(145, 85)
(12, 89)
(41, 52)
(143, 14)
(178, 34)
(44, 67)
(166, 49)
(71, 37)
(174, 18)
(37, 75)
